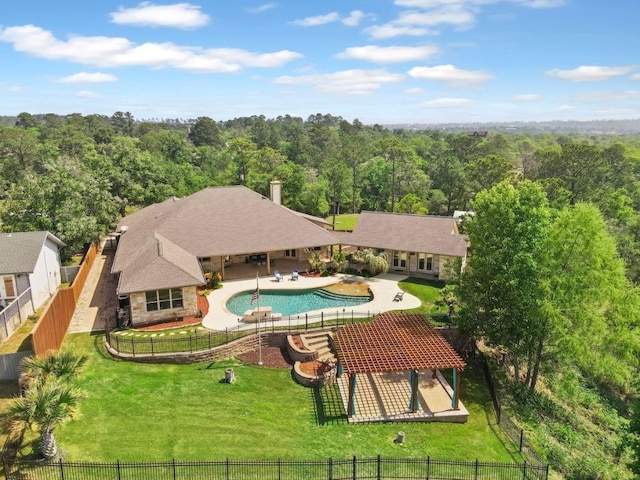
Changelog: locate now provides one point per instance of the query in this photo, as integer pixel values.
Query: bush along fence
(138, 343)
(515, 433)
(332, 469)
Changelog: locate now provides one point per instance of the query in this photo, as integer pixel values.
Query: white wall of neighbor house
(140, 314)
(45, 279)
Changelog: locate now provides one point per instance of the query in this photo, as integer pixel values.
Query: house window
(290, 253)
(425, 262)
(9, 288)
(400, 259)
(164, 299)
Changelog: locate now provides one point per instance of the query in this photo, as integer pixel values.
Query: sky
(380, 61)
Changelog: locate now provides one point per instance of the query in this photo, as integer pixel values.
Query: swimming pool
(292, 302)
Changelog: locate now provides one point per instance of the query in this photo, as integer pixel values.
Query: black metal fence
(332, 469)
(132, 342)
(515, 433)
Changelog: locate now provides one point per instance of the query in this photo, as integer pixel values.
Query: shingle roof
(161, 265)
(410, 233)
(19, 251)
(212, 222)
(394, 342)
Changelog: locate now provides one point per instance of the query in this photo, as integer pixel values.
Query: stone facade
(139, 314)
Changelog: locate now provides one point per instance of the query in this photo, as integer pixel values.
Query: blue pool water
(292, 302)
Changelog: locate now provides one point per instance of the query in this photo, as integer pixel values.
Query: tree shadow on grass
(327, 405)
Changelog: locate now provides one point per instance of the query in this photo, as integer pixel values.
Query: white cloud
(354, 18)
(350, 82)
(84, 77)
(391, 54)
(455, 15)
(178, 15)
(317, 20)
(635, 76)
(262, 8)
(87, 94)
(414, 91)
(564, 108)
(527, 97)
(119, 52)
(450, 74)
(543, 3)
(447, 102)
(389, 30)
(16, 89)
(590, 73)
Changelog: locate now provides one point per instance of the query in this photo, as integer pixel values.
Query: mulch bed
(273, 357)
(315, 368)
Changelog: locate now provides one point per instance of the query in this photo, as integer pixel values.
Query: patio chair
(278, 276)
(294, 275)
(398, 297)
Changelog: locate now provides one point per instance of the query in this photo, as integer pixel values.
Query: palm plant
(63, 365)
(44, 407)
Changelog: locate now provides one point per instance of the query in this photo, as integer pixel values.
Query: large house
(165, 249)
(29, 260)
(415, 244)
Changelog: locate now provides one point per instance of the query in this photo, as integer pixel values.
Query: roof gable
(19, 251)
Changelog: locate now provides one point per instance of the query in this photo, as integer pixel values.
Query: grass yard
(428, 291)
(139, 412)
(344, 222)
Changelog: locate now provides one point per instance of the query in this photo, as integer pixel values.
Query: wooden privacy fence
(50, 330)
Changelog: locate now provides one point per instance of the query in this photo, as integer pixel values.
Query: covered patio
(389, 370)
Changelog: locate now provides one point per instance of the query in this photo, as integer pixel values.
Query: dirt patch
(272, 357)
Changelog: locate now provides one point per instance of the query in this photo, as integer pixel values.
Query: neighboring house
(29, 260)
(415, 244)
(165, 248)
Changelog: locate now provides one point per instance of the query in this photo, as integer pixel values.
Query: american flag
(255, 296)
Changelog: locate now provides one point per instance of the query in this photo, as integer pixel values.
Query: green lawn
(428, 291)
(344, 222)
(138, 412)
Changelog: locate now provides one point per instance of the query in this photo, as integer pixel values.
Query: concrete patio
(384, 288)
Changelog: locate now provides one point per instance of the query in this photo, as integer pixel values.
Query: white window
(290, 253)
(164, 299)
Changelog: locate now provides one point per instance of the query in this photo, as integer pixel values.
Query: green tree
(205, 131)
(63, 365)
(501, 288)
(411, 203)
(67, 201)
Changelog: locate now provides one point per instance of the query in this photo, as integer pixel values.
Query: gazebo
(382, 352)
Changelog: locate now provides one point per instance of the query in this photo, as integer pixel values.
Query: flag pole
(259, 330)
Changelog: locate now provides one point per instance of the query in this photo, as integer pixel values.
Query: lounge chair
(278, 276)
(294, 275)
(398, 297)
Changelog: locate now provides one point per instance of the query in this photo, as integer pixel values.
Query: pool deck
(384, 288)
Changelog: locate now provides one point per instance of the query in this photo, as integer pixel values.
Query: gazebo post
(413, 401)
(340, 368)
(351, 408)
(455, 400)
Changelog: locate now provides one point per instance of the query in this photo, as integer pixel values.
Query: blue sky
(381, 61)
